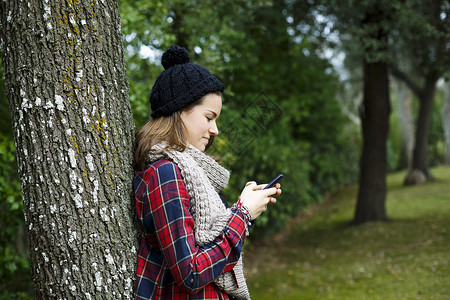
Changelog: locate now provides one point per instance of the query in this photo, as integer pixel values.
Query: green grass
(321, 256)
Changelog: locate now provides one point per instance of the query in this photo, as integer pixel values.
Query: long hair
(169, 129)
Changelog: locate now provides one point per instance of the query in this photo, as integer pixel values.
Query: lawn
(321, 256)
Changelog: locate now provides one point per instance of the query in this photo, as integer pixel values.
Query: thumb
(249, 186)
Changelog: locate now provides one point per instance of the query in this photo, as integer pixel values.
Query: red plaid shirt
(169, 264)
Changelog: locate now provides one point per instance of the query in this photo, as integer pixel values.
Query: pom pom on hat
(175, 55)
(181, 83)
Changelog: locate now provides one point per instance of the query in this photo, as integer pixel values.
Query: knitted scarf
(204, 178)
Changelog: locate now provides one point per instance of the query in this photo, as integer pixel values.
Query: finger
(250, 186)
(261, 186)
(271, 191)
(278, 192)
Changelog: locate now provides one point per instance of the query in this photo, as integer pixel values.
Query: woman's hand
(255, 199)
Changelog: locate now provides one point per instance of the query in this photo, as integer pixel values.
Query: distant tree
(423, 56)
(414, 34)
(374, 114)
(68, 97)
(446, 121)
(364, 29)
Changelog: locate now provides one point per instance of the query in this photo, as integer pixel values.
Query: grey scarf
(204, 178)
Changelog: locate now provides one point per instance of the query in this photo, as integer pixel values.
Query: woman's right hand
(256, 199)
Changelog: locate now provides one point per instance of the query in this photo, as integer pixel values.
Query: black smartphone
(274, 181)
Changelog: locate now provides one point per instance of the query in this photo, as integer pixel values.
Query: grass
(321, 256)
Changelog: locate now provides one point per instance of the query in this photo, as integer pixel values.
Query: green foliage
(13, 253)
(280, 113)
(360, 25)
(144, 23)
(436, 147)
(421, 37)
(306, 140)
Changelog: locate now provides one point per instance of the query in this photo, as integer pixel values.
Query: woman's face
(200, 121)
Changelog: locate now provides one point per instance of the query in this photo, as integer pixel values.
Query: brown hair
(169, 129)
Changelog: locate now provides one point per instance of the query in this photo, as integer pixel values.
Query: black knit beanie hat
(181, 83)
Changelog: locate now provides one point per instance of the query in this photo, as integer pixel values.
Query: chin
(200, 147)
(210, 142)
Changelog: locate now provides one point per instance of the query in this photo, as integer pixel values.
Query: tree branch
(406, 79)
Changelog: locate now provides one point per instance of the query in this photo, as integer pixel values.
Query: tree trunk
(405, 116)
(68, 96)
(419, 172)
(446, 122)
(420, 154)
(375, 126)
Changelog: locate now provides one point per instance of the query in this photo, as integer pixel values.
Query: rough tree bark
(68, 96)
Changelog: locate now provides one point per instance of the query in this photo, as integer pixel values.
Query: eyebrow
(213, 112)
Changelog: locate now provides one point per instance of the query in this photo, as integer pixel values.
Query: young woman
(191, 245)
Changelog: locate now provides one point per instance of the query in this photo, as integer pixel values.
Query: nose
(213, 130)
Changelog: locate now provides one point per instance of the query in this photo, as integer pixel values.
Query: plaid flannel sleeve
(192, 267)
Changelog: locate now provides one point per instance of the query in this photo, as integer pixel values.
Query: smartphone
(274, 181)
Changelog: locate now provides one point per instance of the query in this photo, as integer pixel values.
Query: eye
(209, 119)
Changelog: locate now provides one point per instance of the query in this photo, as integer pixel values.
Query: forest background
(294, 76)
